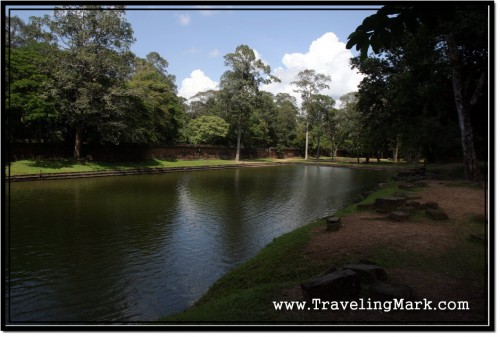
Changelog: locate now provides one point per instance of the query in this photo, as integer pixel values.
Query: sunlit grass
(70, 165)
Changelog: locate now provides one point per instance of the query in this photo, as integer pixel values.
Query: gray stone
(399, 215)
(406, 186)
(389, 204)
(414, 204)
(333, 219)
(387, 291)
(366, 193)
(333, 224)
(367, 272)
(431, 205)
(342, 284)
(436, 214)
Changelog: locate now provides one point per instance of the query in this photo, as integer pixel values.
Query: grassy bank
(70, 165)
(246, 294)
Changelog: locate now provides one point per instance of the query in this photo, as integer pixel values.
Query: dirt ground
(363, 232)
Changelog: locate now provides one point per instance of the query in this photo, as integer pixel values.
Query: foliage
(30, 104)
(456, 36)
(92, 68)
(309, 83)
(155, 113)
(240, 86)
(206, 130)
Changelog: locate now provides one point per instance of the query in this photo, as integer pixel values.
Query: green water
(133, 249)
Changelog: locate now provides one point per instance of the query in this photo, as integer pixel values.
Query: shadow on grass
(71, 162)
(53, 163)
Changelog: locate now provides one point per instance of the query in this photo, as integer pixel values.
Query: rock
(367, 272)
(329, 271)
(389, 204)
(387, 291)
(365, 261)
(333, 224)
(363, 207)
(408, 195)
(430, 205)
(421, 184)
(436, 214)
(366, 193)
(406, 186)
(399, 215)
(414, 204)
(342, 284)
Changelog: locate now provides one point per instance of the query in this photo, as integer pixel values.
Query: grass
(70, 165)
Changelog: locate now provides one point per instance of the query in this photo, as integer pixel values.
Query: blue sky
(194, 41)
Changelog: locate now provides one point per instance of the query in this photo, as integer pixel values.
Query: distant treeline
(72, 79)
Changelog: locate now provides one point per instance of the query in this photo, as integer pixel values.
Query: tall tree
(240, 86)
(309, 83)
(93, 67)
(319, 107)
(462, 30)
(156, 112)
(285, 121)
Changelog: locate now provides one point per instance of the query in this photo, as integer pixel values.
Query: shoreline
(146, 170)
(279, 268)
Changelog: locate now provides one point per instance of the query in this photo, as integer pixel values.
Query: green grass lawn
(71, 165)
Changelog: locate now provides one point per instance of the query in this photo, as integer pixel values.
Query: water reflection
(138, 248)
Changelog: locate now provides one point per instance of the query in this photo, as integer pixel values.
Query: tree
(285, 121)
(309, 83)
(155, 113)
(206, 130)
(319, 106)
(204, 103)
(92, 69)
(240, 86)
(29, 101)
(32, 52)
(463, 33)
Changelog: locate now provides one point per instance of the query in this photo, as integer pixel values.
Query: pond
(136, 248)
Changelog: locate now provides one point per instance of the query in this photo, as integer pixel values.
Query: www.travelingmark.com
(367, 304)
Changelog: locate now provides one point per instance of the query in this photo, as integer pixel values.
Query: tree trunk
(317, 150)
(307, 139)
(396, 151)
(78, 143)
(334, 151)
(238, 144)
(471, 168)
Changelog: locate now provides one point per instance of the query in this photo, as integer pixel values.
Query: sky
(194, 40)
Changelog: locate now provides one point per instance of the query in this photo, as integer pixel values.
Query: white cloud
(259, 57)
(195, 83)
(184, 19)
(326, 55)
(214, 53)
